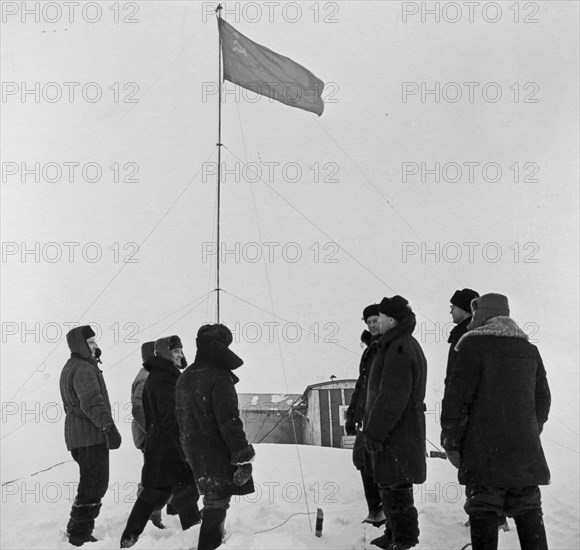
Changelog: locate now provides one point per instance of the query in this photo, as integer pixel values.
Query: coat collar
(460, 327)
(501, 327)
(160, 363)
(404, 328)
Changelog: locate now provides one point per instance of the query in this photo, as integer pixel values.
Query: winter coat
(394, 409)
(84, 396)
(495, 404)
(355, 410)
(212, 433)
(454, 336)
(138, 425)
(165, 463)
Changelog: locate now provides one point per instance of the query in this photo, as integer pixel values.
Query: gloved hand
(373, 445)
(454, 457)
(242, 474)
(112, 437)
(350, 426)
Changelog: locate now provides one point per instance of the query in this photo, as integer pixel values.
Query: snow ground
(35, 509)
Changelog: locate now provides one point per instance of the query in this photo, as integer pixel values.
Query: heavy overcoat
(395, 409)
(212, 433)
(496, 401)
(165, 463)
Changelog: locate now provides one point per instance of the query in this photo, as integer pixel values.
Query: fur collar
(405, 327)
(502, 327)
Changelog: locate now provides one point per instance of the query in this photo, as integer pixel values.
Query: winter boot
(136, 523)
(483, 528)
(211, 532)
(403, 517)
(531, 531)
(77, 540)
(384, 541)
(82, 522)
(156, 519)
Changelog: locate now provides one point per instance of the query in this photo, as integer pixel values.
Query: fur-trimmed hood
(502, 327)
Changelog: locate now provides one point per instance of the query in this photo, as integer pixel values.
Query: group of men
(187, 424)
(495, 404)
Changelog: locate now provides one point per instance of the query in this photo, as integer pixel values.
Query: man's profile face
(92, 346)
(177, 355)
(373, 324)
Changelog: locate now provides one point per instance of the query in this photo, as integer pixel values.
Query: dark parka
(212, 432)
(165, 462)
(394, 410)
(84, 395)
(355, 410)
(495, 403)
(454, 336)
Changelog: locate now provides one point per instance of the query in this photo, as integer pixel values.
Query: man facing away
(394, 422)
(89, 430)
(495, 405)
(212, 433)
(354, 417)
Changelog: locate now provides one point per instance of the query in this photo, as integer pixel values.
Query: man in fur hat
(89, 430)
(354, 416)
(165, 472)
(461, 315)
(495, 405)
(394, 422)
(212, 433)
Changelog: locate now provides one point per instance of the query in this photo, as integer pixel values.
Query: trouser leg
(93, 464)
(146, 503)
(214, 512)
(402, 516)
(184, 500)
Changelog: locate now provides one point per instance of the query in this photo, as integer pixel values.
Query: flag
(267, 73)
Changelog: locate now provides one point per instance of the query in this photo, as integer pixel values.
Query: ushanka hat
(369, 311)
(396, 307)
(462, 299)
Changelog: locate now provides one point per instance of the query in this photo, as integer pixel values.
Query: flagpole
(219, 146)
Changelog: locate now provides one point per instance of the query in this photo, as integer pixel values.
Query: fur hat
(147, 351)
(487, 306)
(163, 346)
(369, 311)
(462, 299)
(396, 307)
(216, 333)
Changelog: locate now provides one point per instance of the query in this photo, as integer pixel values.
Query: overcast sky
(446, 157)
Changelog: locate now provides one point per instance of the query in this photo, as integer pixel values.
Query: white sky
(364, 51)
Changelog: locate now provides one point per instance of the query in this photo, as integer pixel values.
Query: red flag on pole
(267, 73)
